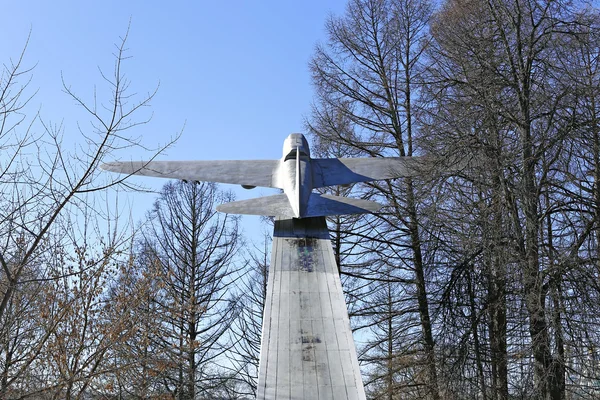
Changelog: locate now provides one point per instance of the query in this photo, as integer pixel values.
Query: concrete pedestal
(307, 349)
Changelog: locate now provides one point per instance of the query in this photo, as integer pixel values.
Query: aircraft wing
(240, 172)
(343, 171)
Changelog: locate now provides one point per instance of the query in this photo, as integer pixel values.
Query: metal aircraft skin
(296, 173)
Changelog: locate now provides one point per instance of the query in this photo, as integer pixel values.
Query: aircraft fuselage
(296, 173)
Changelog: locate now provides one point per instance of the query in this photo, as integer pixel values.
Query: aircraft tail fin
(276, 205)
(324, 204)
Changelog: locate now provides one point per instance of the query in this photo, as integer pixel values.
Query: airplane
(296, 173)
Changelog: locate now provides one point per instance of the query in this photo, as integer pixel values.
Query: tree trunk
(423, 303)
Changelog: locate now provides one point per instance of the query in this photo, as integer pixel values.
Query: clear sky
(234, 73)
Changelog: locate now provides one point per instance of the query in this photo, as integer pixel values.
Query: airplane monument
(307, 349)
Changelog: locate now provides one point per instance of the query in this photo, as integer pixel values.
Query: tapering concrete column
(307, 349)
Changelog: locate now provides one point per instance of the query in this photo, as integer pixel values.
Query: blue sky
(234, 73)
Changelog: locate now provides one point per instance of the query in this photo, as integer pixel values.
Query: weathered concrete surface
(307, 349)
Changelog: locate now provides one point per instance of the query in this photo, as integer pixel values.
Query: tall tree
(247, 329)
(195, 247)
(136, 363)
(44, 189)
(367, 75)
(500, 82)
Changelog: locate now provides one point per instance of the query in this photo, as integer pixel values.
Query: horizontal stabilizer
(318, 206)
(241, 172)
(274, 206)
(323, 204)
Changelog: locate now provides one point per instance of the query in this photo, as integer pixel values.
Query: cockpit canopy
(296, 142)
(292, 155)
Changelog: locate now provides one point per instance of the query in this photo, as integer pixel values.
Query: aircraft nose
(296, 139)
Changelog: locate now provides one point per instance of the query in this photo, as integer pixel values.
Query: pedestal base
(307, 349)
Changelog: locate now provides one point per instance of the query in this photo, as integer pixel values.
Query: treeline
(480, 283)
(93, 306)
(160, 316)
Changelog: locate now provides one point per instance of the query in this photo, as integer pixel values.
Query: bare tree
(136, 365)
(367, 76)
(247, 329)
(43, 190)
(501, 83)
(81, 327)
(195, 248)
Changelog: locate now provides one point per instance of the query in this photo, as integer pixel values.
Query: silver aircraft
(296, 173)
